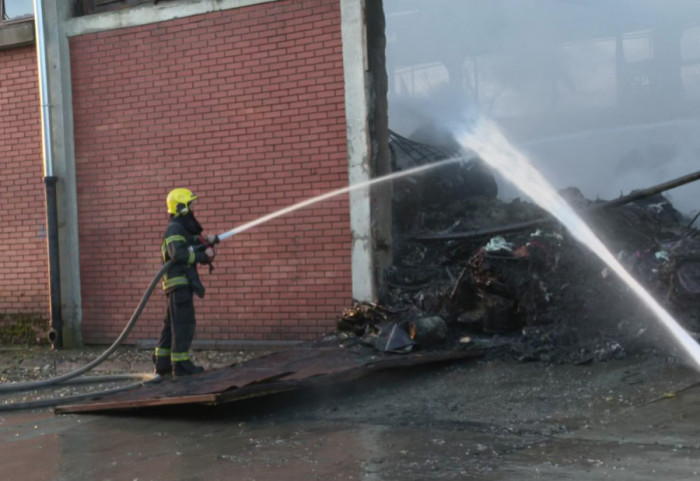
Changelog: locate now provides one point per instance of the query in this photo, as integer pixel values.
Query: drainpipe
(50, 181)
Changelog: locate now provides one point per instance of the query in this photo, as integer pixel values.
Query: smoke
(604, 95)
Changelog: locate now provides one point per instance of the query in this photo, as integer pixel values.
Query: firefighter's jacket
(186, 251)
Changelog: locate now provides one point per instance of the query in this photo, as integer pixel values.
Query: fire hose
(15, 387)
(65, 378)
(69, 378)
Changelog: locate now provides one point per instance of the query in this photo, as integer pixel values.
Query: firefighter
(184, 244)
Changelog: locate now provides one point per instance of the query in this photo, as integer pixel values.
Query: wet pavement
(634, 419)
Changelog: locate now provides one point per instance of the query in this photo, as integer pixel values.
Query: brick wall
(24, 278)
(246, 108)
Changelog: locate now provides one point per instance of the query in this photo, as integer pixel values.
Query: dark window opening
(86, 7)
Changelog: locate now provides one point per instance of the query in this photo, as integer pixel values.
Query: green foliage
(23, 329)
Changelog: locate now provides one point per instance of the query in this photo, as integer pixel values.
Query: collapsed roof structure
(470, 267)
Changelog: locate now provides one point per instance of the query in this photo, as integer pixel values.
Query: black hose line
(144, 376)
(53, 402)
(28, 386)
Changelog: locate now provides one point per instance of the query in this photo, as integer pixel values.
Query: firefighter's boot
(186, 368)
(162, 365)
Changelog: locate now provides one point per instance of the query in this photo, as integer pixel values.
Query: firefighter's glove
(209, 252)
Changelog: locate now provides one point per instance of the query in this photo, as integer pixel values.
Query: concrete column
(355, 63)
(63, 146)
(382, 194)
(367, 132)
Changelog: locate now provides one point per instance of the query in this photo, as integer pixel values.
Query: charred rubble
(531, 292)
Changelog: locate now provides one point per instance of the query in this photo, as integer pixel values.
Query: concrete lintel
(17, 34)
(149, 13)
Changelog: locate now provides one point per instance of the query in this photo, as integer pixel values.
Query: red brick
(23, 287)
(245, 106)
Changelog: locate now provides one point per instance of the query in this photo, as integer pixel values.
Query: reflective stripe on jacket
(180, 246)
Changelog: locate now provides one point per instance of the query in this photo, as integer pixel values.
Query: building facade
(253, 105)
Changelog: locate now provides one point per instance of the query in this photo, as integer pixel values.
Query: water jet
(485, 139)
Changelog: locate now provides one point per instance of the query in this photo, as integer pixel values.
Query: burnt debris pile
(472, 270)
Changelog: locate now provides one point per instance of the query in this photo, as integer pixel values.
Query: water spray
(491, 145)
(334, 193)
(66, 378)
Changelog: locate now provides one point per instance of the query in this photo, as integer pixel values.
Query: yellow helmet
(179, 200)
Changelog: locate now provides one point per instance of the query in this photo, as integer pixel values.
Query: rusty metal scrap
(281, 371)
(487, 267)
(362, 314)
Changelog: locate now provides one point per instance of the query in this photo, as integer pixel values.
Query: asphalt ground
(629, 419)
